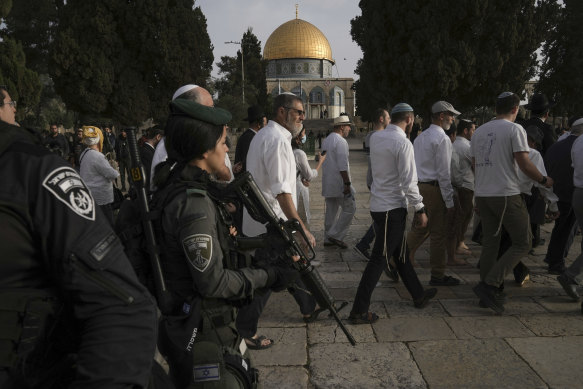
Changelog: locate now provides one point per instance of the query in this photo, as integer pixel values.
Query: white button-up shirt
(577, 158)
(336, 161)
(464, 174)
(394, 183)
(433, 160)
(272, 164)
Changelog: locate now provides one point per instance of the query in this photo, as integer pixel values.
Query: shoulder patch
(67, 186)
(198, 248)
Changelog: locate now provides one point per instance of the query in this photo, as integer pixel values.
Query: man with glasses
(272, 163)
(433, 161)
(336, 186)
(7, 108)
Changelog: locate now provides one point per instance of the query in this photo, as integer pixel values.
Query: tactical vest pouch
(26, 320)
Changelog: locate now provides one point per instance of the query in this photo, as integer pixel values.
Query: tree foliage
(560, 76)
(229, 85)
(421, 51)
(124, 59)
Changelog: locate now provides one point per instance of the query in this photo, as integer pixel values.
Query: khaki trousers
(435, 230)
(511, 213)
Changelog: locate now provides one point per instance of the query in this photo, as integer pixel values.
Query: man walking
(497, 147)
(394, 188)
(381, 120)
(257, 120)
(336, 186)
(433, 162)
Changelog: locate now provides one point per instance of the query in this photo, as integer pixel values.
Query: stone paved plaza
(452, 343)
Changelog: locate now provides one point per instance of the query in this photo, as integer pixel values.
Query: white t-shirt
(493, 146)
(336, 161)
(272, 164)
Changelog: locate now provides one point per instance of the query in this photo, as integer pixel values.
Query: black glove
(279, 277)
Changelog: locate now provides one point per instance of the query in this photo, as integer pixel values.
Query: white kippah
(577, 122)
(182, 90)
(505, 94)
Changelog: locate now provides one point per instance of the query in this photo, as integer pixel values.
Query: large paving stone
(487, 327)
(281, 310)
(473, 363)
(289, 347)
(559, 304)
(406, 309)
(554, 325)
(368, 365)
(332, 333)
(470, 307)
(379, 294)
(283, 377)
(412, 329)
(556, 360)
(341, 280)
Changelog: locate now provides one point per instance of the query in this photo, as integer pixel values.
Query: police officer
(72, 312)
(196, 247)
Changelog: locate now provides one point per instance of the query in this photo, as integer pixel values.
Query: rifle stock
(163, 296)
(261, 211)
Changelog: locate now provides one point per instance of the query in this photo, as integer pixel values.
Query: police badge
(66, 185)
(199, 250)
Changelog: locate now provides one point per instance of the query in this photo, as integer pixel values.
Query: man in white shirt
(394, 188)
(272, 164)
(465, 176)
(382, 119)
(497, 148)
(433, 162)
(336, 186)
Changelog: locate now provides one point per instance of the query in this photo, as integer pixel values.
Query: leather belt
(432, 183)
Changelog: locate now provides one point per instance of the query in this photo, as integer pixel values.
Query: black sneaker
(499, 296)
(422, 301)
(569, 286)
(444, 281)
(487, 295)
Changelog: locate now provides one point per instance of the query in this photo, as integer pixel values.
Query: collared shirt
(336, 161)
(160, 155)
(526, 183)
(577, 157)
(394, 183)
(464, 174)
(272, 164)
(433, 160)
(493, 146)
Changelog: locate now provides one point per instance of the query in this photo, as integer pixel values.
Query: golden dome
(297, 39)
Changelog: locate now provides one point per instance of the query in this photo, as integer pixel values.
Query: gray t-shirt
(98, 175)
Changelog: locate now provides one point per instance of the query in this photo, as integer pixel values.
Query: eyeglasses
(299, 111)
(12, 103)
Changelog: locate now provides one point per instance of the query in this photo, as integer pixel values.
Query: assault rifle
(163, 296)
(285, 236)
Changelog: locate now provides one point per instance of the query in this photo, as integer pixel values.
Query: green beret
(213, 115)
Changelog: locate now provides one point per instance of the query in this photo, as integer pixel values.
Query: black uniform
(546, 133)
(63, 268)
(122, 152)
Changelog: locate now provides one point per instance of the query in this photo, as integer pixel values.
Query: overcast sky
(228, 20)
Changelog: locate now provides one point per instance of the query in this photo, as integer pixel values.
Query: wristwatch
(419, 212)
(543, 181)
(347, 183)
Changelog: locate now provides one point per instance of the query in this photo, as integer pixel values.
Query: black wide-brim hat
(254, 113)
(539, 102)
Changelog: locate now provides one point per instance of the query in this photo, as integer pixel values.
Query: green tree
(229, 85)
(421, 51)
(124, 59)
(560, 76)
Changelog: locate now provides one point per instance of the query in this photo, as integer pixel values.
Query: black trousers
(394, 221)
(248, 316)
(561, 237)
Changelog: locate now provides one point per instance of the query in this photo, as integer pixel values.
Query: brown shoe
(338, 243)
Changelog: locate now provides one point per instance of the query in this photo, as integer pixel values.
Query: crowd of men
(420, 189)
